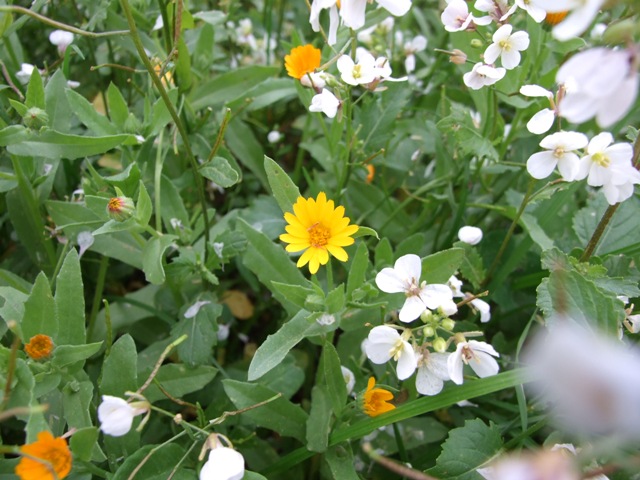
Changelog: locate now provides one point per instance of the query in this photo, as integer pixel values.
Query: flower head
(375, 401)
(302, 60)
(507, 46)
(482, 75)
(55, 451)
(325, 102)
(386, 343)
(456, 17)
(432, 372)
(61, 39)
(318, 228)
(39, 347)
(116, 415)
(361, 73)
(560, 148)
(224, 463)
(120, 208)
(478, 355)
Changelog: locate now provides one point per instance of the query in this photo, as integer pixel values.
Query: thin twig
(7, 77)
(223, 417)
(158, 364)
(394, 466)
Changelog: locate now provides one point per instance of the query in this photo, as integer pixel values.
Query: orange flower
(40, 346)
(555, 18)
(302, 60)
(371, 172)
(55, 451)
(376, 400)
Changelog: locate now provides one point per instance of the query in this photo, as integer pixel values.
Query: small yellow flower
(555, 18)
(376, 400)
(320, 229)
(47, 448)
(302, 60)
(40, 346)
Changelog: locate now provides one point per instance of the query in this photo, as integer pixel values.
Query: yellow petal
(338, 252)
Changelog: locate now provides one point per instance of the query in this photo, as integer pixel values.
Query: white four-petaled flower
(432, 372)
(478, 355)
(559, 150)
(542, 121)
(507, 46)
(482, 75)
(361, 73)
(386, 343)
(116, 415)
(582, 14)
(325, 102)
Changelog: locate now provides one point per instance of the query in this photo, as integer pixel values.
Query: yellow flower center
(115, 204)
(601, 159)
(318, 235)
(505, 45)
(413, 289)
(356, 71)
(558, 152)
(396, 350)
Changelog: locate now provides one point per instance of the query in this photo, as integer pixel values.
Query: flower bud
(35, 118)
(470, 235)
(621, 32)
(476, 43)
(448, 324)
(120, 208)
(428, 331)
(426, 316)
(458, 57)
(39, 347)
(439, 345)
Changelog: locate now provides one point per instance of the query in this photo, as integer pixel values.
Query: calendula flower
(375, 401)
(302, 60)
(39, 347)
(120, 208)
(319, 228)
(49, 449)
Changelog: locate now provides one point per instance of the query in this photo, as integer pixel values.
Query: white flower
(334, 19)
(470, 235)
(404, 277)
(478, 355)
(559, 151)
(498, 10)
(383, 28)
(116, 415)
(507, 46)
(349, 378)
(542, 121)
(633, 323)
(325, 102)
(244, 31)
(482, 75)
(432, 372)
(317, 80)
(417, 44)
(61, 39)
(456, 17)
(386, 343)
(591, 380)
(24, 74)
(360, 73)
(483, 308)
(456, 286)
(600, 83)
(352, 11)
(159, 24)
(582, 14)
(538, 14)
(224, 463)
(544, 465)
(274, 136)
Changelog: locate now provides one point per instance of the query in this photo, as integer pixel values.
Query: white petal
(618, 103)
(427, 383)
(510, 59)
(477, 346)
(542, 121)
(535, 91)
(438, 365)
(502, 33)
(600, 142)
(492, 52)
(484, 308)
(576, 22)
(352, 13)
(383, 334)
(434, 295)
(568, 166)
(412, 309)
(578, 107)
(541, 164)
(470, 235)
(407, 362)
(223, 464)
(409, 266)
(389, 281)
(395, 7)
(455, 366)
(378, 353)
(598, 175)
(484, 364)
(519, 40)
(334, 21)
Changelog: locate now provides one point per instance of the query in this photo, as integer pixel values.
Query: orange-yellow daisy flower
(376, 400)
(40, 346)
(302, 60)
(47, 448)
(318, 228)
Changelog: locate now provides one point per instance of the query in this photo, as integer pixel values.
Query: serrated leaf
(284, 190)
(466, 449)
(279, 415)
(472, 267)
(439, 267)
(153, 258)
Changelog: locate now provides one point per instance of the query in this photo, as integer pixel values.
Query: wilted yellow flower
(376, 400)
(320, 229)
(302, 60)
(47, 448)
(40, 346)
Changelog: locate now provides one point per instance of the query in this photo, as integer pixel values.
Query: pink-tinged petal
(519, 40)
(389, 281)
(535, 91)
(582, 65)
(427, 383)
(484, 364)
(409, 267)
(407, 363)
(482, 21)
(492, 52)
(542, 121)
(502, 33)
(510, 59)
(568, 166)
(412, 309)
(455, 366)
(397, 8)
(618, 103)
(600, 142)
(540, 165)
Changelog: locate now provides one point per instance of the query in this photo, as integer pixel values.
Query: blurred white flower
(224, 463)
(456, 17)
(417, 44)
(116, 415)
(24, 74)
(386, 343)
(483, 308)
(542, 121)
(360, 73)
(85, 240)
(244, 33)
(538, 14)
(432, 372)
(543, 465)
(159, 24)
(352, 11)
(498, 10)
(482, 75)
(590, 381)
(274, 136)
(559, 151)
(317, 80)
(599, 82)
(61, 39)
(478, 355)
(507, 46)
(582, 14)
(456, 286)
(383, 28)
(349, 378)
(470, 235)
(334, 19)
(325, 102)
(404, 277)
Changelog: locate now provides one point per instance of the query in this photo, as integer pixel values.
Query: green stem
(157, 179)
(223, 128)
(174, 115)
(329, 275)
(97, 295)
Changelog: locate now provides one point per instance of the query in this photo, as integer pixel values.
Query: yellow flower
(319, 229)
(40, 346)
(52, 450)
(376, 400)
(302, 60)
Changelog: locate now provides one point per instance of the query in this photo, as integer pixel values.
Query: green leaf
(19, 107)
(76, 401)
(266, 93)
(472, 267)
(70, 302)
(144, 208)
(358, 270)
(319, 421)
(439, 267)
(57, 104)
(220, 172)
(40, 311)
(335, 299)
(12, 308)
(35, 91)
(179, 380)
(87, 114)
(279, 415)
(366, 231)
(201, 329)
(118, 109)
(333, 378)
(153, 258)
(162, 461)
(295, 293)
(466, 449)
(65, 355)
(341, 462)
(383, 253)
(183, 65)
(284, 190)
(82, 443)
(246, 149)
(120, 368)
(277, 345)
